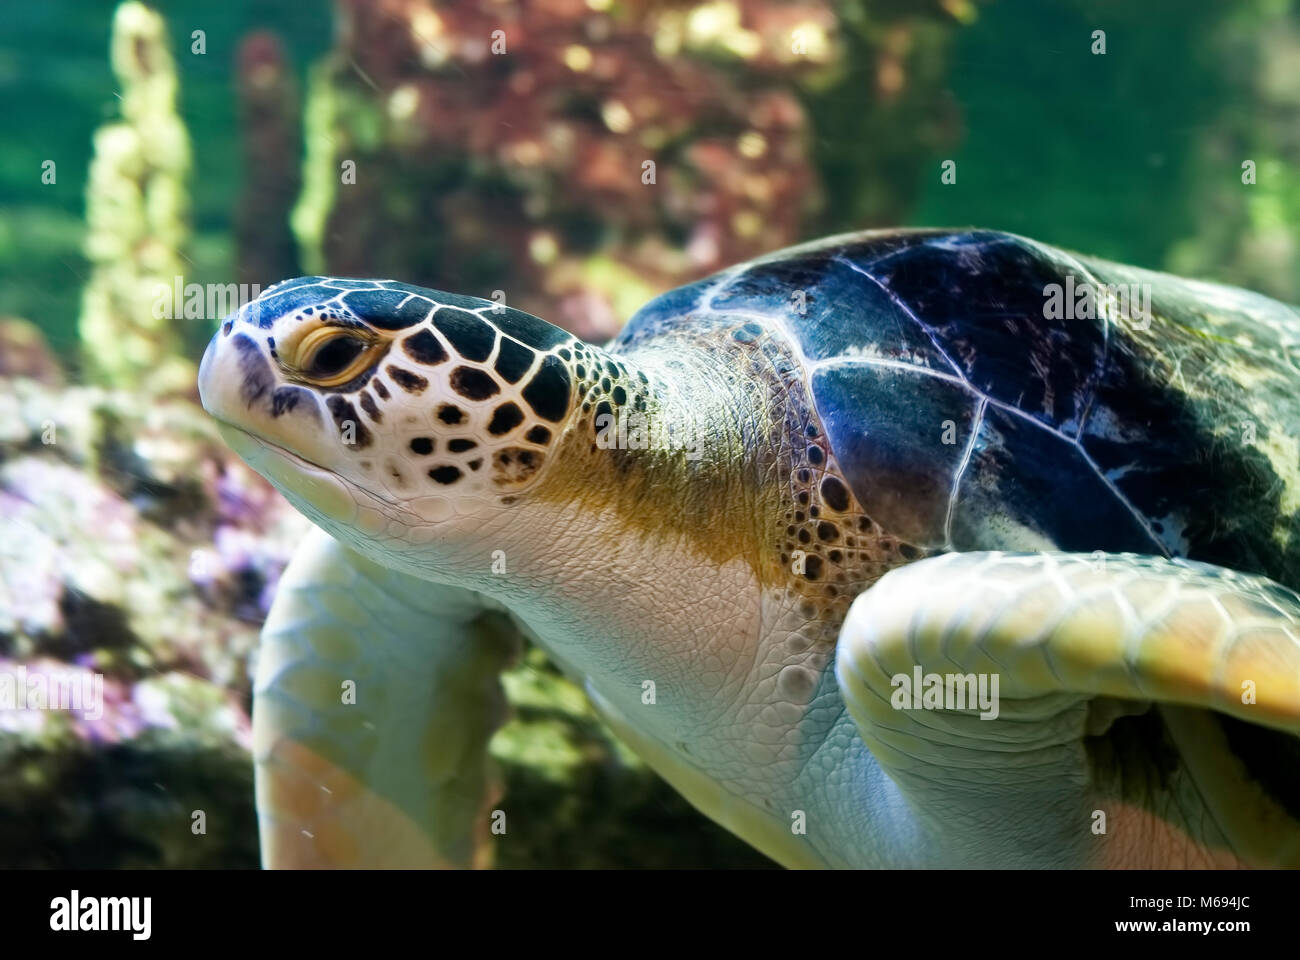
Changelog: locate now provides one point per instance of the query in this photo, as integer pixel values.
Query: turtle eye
(334, 357)
(329, 356)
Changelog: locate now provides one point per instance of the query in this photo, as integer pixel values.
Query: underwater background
(245, 141)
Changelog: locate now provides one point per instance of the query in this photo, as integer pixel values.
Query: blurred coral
(109, 507)
(137, 211)
(578, 157)
(24, 353)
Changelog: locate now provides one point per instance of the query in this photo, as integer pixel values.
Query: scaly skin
(1078, 641)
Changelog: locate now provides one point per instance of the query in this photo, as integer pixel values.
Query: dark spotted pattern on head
(515, 466)
(410, 382)
(423, 347)
(368, 404)
(445, 475)
(505, 418)
(254, 370)
(351, 430)
(473, 384)
(286, 400)
(512, 371)
(548, 391)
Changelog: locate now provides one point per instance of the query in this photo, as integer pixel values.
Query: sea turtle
(903, 548)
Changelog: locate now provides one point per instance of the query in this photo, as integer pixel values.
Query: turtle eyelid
(343, 323)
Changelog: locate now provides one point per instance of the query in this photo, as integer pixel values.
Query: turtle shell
(975, 399)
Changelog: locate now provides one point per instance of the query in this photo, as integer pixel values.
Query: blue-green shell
(963, 417)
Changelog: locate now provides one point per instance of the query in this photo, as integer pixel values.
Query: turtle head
(390, 414)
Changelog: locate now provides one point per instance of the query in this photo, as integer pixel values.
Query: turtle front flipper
(1135, 711)
(375, 696)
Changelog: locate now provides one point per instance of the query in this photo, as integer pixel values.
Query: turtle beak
(232, 377)
(238, 386)
(205, 371)
(274, 427)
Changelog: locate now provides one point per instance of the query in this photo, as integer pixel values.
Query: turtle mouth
(236, 437)
(254, 449)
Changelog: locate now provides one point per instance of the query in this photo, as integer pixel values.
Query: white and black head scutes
(463, 396)
(502, 392)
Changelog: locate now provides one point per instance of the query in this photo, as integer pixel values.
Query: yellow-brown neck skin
(691, 526)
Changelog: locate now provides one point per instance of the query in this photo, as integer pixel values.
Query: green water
(1103, 154)
(1086, 151)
